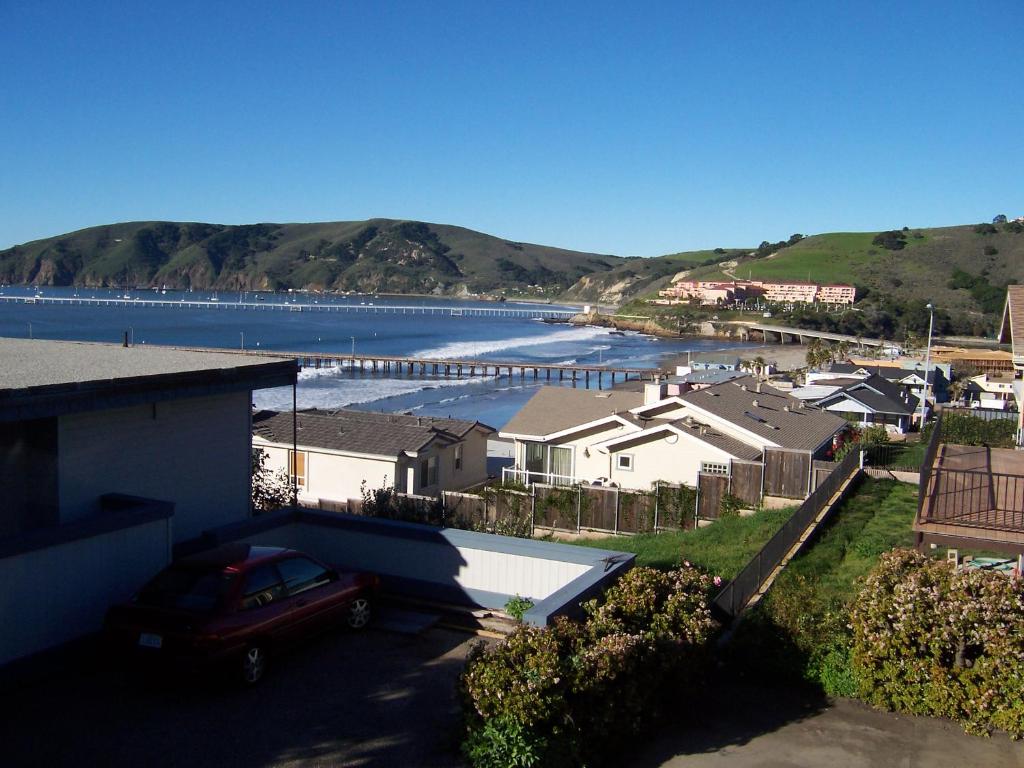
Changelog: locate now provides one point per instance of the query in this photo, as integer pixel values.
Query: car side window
(300, 574)
(262, 586)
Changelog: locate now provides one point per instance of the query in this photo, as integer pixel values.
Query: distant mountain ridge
(374, 255)
(963, 269)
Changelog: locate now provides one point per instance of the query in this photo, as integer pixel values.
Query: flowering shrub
(932, 641)
(567, 694)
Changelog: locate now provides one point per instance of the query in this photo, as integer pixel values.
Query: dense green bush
(933, 641)
(572, 693)
(965, 429)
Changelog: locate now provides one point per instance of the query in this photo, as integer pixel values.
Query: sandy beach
(785, 357)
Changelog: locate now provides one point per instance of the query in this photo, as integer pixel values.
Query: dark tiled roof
(889, 372)
(553, 409)
(777, 417)
(878, 394)
(378, 434)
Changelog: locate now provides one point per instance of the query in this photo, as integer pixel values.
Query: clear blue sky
(596, 126)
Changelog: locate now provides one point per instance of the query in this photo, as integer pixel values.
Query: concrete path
(748, 727)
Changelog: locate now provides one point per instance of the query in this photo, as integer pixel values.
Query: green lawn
(876, 518)
(722, 548)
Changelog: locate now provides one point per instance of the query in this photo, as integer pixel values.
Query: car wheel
(254, 664)
(359, 613)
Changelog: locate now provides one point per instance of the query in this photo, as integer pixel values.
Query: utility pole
(243, 339)
(353, 347)
(927, 361)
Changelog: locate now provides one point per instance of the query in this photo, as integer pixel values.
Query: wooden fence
(787, 473)
(557, 507)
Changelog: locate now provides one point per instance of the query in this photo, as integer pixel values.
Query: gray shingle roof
(28, 363)
(797, 428)
(377, 434)
(553, 409)
(699, 431)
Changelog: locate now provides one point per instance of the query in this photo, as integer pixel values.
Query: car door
(263, 609)
(311, 596)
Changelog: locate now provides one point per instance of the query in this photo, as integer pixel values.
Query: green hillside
(913, 265)
(375, 255)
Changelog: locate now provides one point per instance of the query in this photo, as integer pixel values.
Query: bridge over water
(786, 335)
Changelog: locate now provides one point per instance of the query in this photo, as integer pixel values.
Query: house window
(297, 467)
(624, 461)
(458, 457)
(547, 464)
(428, 471)
(714, 468)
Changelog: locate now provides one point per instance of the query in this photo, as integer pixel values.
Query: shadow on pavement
(367, 699)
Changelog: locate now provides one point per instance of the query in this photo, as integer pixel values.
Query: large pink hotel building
(789, 291)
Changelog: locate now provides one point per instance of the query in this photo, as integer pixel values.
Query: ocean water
(490, 400)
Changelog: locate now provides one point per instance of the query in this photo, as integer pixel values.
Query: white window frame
(458, 457)
(715, 468)
(629, 460)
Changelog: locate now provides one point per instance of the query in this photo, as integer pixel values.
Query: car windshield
(188, 589)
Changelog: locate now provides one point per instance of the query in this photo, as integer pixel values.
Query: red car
(236, 605)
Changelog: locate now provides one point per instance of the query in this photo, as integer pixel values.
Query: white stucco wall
(193, 452)
(659, 459)
(335, 476)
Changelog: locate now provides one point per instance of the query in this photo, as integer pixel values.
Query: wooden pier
(389, 365)
(147, 300)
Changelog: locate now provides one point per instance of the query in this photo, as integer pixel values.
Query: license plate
(147, 640)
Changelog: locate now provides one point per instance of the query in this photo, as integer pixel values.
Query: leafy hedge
(965, 429)
(931, 641)
(572, 693)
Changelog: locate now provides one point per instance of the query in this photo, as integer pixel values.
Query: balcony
(528, 477)
(973, 496)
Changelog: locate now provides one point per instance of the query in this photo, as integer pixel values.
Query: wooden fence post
(616, 510)
(579, 506)
(657, 497)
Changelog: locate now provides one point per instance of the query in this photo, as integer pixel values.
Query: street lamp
(927, 361)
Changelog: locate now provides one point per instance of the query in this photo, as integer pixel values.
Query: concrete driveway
(751, 727)
(345, 699)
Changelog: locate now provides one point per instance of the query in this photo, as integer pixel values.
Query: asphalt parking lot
(345, 699)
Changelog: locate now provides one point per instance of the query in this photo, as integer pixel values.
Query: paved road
(761, 728)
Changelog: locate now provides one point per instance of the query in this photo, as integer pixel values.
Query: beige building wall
(660, 459)
(335, 476)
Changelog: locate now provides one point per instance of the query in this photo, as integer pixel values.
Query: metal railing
(976, 499)
(738, 592)
(528, 477)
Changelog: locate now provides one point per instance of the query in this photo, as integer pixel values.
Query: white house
(333, 453)
(990, 391)
(870, 401)
(110, 455)
(632, 439)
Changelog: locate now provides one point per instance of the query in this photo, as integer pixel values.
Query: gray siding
(194, 452)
